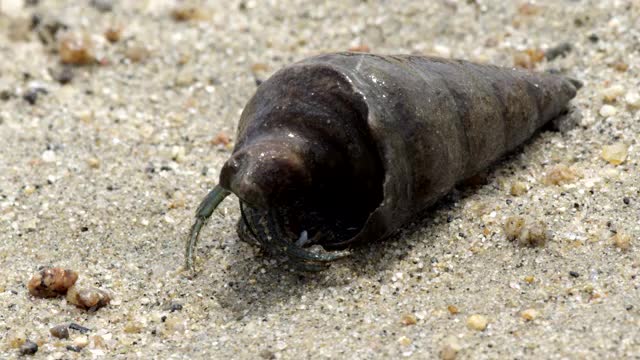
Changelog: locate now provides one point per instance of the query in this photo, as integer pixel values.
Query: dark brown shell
(376, 139)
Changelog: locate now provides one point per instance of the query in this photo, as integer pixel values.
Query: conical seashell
(349, 147)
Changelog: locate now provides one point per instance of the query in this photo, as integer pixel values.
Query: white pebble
(477, 322)
(81, 341)
(146, 130)
(608, 110)
(442, 50)
(144, 300)
(168, 219)
(178, 153)
(633, 99)
(49, 156)
(11, 8)
(612, 92)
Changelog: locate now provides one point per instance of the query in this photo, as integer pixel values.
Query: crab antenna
(204, 211)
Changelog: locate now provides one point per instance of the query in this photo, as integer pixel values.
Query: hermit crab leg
(295, 252)
(300, 259)
(247, 220)
(204, 211)
(266, 227)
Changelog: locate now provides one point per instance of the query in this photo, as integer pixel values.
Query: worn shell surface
(347, 147)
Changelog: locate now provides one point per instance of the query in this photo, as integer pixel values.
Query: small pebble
(113, 34)
(93, 163)
(408, 319)
(16, 339)
(73, 348)
(18, 29)
(477, 322)
(450, 349)
(518, 188)
(28, 348)
(611, 93)
(189, 12)
(178, 153)
(448, 353)
(28, 190)
(529, 279)
(97, 341)
(442, 50)
(175, 307)
(49, 156)
(47, 28)
(560, 50)
(80, 328)
(5, 95)
(259, 68)
(529, 314)
(528, 59)
(76, 49)
(404, 341)
(31, 96)
(133, 327)
(453, 309)
(622, 241)
(51, 282)
(632, 98)
(137, 53)
(574, 274)
(60, 331)
(102, 5)
(615, 154)
(560, 174)
(221, 139)
(175, 325)
(529, 8)
(90, 299)
(621, 66)
(81, 341)
(267, 355)
(360, 48)
(185, 77)
(64, 75)
(527, 231)
(608, 110)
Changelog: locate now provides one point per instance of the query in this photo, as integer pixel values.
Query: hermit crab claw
(204, 211)
(266, 227)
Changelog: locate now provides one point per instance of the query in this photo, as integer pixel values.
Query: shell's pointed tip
(575, 82)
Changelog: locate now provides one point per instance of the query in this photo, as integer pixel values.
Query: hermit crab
(345, 148)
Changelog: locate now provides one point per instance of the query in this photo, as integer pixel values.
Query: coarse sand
(104, 160)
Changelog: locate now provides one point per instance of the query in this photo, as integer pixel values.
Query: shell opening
(306, 160)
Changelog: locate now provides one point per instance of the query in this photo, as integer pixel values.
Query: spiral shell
(346, 148)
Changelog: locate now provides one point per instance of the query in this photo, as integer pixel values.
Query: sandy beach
(115, 120)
